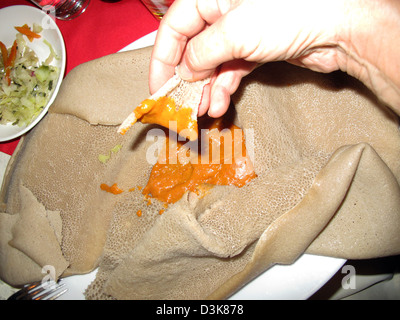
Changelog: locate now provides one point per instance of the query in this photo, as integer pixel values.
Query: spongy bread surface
(325, 152)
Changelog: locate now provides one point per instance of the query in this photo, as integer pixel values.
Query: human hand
(228, 38)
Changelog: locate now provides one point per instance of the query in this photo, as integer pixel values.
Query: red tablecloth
(104, 28)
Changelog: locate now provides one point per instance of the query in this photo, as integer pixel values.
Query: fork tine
(40, 291)
(21, 294)
(35, 290)
(53, 293)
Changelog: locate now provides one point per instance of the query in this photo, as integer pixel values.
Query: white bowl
(13, 16)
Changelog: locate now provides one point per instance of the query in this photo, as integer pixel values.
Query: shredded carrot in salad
(26, 30)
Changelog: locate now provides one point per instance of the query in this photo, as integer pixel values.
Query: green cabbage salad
(32, 83)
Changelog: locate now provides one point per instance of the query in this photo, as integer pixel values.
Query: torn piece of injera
(185, 94)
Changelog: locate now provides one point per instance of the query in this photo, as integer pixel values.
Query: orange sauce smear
(168, 182)
(112, 189)
(162, 111)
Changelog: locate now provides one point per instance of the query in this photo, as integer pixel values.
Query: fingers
(184, 20)
(202, 36)
(223, 84)
(207, 50)
(237, 34)
(181, 22)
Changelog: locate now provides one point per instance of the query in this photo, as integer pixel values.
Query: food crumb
(113, 189)
(103, 158)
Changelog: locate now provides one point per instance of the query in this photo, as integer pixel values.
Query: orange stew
(113, 189)
(164, 110)
(219, 156)
(221, 163)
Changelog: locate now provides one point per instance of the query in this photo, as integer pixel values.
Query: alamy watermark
(224, 144)
(50, 278)
(349, 280)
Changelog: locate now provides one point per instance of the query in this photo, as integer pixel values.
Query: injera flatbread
(326, 155)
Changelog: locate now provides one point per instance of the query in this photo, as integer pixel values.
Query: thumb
(223, 41)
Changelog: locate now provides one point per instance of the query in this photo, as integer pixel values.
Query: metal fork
(48, 290)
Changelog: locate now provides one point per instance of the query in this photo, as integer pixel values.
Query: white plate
(13, 16)
(297, 281)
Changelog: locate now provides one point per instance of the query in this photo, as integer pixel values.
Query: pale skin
(227, 39)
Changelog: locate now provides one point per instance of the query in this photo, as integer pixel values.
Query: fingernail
(219, 102)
